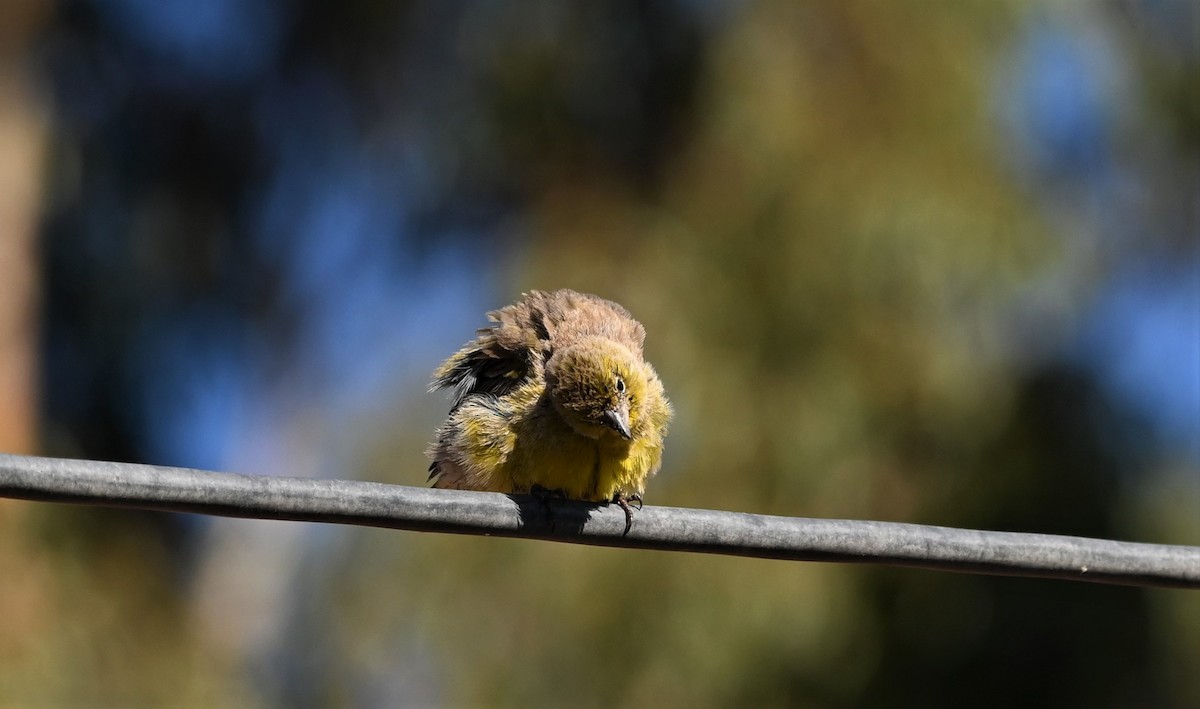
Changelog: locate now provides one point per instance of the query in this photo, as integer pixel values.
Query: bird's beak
(618, 419)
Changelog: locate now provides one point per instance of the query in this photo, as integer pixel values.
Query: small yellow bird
(555, 397)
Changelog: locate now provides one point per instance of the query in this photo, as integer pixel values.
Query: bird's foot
(623, 501)
(545, 496)
(545, 493)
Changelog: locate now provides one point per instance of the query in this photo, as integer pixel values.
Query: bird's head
(598, 386)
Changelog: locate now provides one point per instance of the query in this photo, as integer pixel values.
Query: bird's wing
(483, 367)
(514, 350)
(501, 357)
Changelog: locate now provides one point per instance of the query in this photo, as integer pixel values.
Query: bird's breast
(550, 454)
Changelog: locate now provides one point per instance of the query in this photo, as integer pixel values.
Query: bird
(554, 398)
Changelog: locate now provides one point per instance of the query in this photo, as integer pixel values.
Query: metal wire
(662, 528)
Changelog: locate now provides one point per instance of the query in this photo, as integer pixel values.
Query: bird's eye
(620, 385)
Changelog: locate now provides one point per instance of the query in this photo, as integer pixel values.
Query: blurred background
(932, 262)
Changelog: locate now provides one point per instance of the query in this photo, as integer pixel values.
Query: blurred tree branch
(662, 528)
(23, 137)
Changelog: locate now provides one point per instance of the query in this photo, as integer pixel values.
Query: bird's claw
(622, 500)
(546, 496)
(545, 493)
